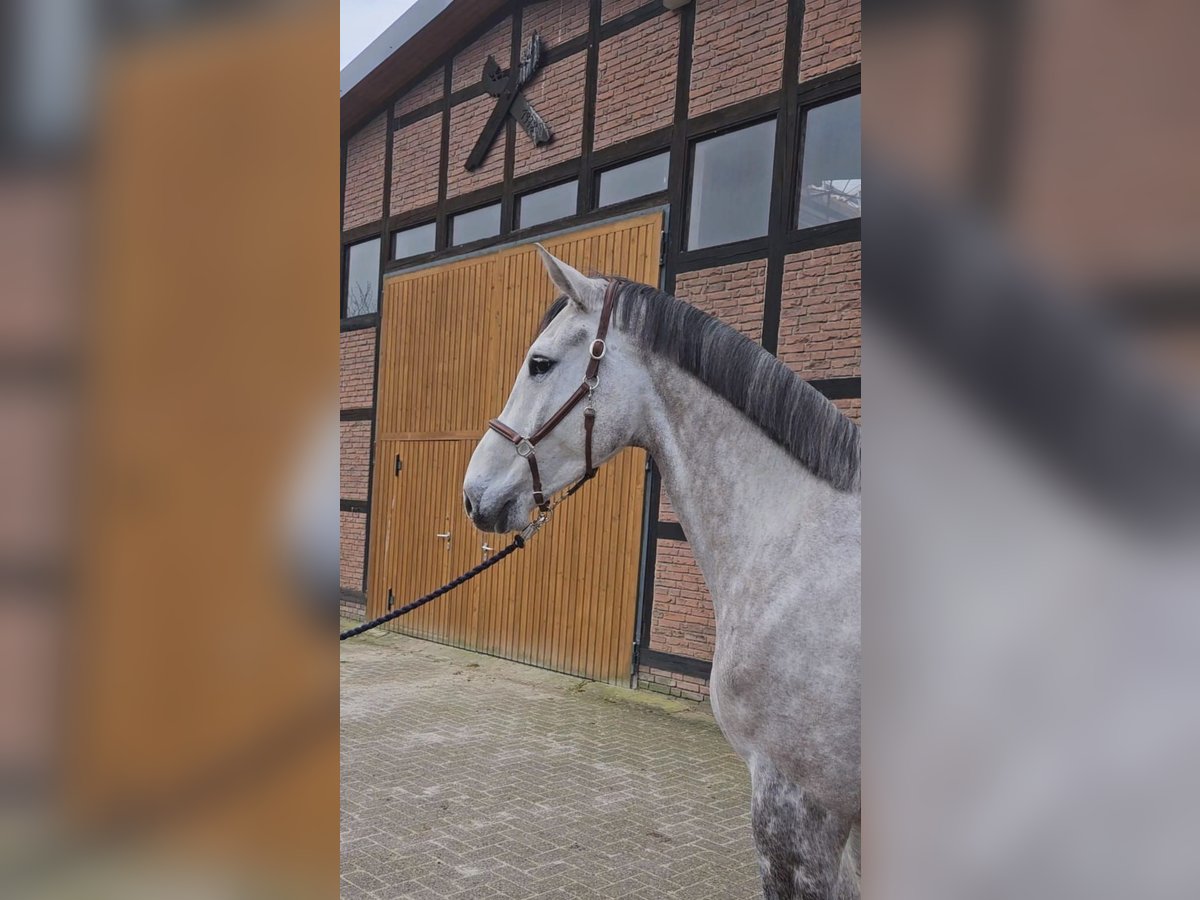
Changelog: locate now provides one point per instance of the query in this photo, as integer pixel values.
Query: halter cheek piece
(526, 445)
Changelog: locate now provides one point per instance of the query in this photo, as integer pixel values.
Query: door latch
(399, 464)
(391, 600)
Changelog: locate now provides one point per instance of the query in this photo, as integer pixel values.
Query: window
(831, 170)
(635, 179)
(475, 225)
(731, 186)
(362, 278)
(414, 241)
(556, 202)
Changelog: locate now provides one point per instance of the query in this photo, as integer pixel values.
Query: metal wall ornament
(506, 88)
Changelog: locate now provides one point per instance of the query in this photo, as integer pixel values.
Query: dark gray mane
(792, 412)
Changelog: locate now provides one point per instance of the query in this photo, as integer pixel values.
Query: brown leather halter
(526, 445)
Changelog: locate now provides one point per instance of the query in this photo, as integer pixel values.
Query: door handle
(486, 549)
(445, 536)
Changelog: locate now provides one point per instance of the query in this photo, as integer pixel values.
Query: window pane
(831, 173)
(646, 176)
(556, 202)
(362, 278)
(413, 241)
(731, 186)
(475, 225)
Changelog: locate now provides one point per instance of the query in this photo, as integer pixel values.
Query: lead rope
(516, 544)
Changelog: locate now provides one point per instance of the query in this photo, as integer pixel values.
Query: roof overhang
(429, 30)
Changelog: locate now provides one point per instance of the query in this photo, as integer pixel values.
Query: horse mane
(789, 410)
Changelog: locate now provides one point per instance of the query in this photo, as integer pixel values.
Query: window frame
(518, 225)
(803, 107)
(396, 232)
(686, 251)
(349, 244)
(664, 152)
(451, 244)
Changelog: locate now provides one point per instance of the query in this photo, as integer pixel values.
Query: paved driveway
(467, 776)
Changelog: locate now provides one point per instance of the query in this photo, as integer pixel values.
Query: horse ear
(579, 289)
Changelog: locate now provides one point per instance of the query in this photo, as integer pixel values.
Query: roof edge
(393, 38)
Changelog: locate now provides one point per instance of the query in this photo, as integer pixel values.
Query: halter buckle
(524, 448)
(602, 351)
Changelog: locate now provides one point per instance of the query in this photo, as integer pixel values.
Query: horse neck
(744, 502)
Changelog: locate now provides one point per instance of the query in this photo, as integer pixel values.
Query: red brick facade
(422, 94)
(832, 37)
(557, 94)
(363, 202)
(820, 319)
(557, 21)
(738, 52)
(682, 621)
(353, 548)
(635, 81)
(466, 122)
(613, 9)
(734, 293)
(468, 65)
(414, 168)
(355, 459)
(852, 408)
(357, 381)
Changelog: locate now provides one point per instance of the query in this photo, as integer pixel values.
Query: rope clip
(535, 526)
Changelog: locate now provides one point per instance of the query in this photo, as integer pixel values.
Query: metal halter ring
(603, 348)
(525, 449)
(592, 383)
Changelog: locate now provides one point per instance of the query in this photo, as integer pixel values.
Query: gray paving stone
(467, 776)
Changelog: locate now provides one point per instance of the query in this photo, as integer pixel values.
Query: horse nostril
(470, 507)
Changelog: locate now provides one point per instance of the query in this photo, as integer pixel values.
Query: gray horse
(763, 472)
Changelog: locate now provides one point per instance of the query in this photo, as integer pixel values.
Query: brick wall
(416, 155)
(557, 94)
(737, 52)
(352, 607)
(357, 368)
(675, 685)
(682, 620)
(422, 93)
(466, 122)
(635, 83)
(611, 9)
(852, 408)
(820, 318)
(354, 530)
(734, 293)
(363, 202)
(355, 459)
(557, 21)
(831, 36)
(468, 65)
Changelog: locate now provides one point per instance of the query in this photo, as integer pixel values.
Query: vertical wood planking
(452, 341)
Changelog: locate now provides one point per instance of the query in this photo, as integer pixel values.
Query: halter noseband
(526, 445)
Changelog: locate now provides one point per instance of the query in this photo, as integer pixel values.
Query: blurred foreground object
(170, 722)
(1032, 476)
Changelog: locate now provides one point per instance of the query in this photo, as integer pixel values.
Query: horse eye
(539, 365)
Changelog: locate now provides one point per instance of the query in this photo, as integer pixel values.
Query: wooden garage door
(453, 340)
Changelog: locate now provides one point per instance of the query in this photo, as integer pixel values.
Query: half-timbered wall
(622, 79)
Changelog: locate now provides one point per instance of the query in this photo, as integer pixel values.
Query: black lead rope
(517, 543)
